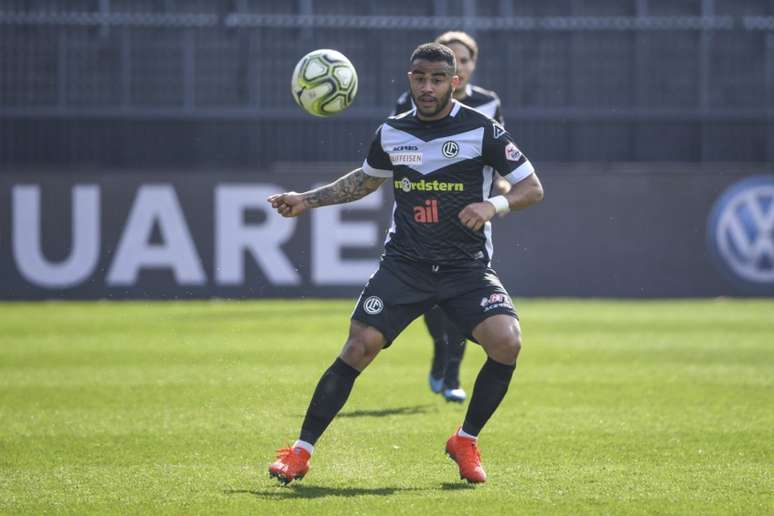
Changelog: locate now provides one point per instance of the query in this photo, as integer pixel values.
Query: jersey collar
(455, 108)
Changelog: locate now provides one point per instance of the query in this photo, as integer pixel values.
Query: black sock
(491, 385)
(435, 321)
(456, 349)
(330, 395)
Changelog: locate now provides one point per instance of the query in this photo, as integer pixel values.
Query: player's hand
(288, 204)
(476, 214)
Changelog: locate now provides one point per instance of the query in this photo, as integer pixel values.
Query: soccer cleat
(465, 453)
(436, 384)
(455, 395)
(291, 464)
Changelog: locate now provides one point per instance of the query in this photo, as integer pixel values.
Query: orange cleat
(465, 453)
(291, 464)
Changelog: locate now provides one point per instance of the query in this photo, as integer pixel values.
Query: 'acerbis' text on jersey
(438, 168)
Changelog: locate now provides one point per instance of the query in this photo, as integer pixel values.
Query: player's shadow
(300, 491)
(395, 411)
(456, 486)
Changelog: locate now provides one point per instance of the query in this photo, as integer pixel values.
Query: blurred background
(651, 123)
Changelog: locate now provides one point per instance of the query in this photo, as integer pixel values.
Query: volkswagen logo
(450, 149)
(373, 305)
(741, 230)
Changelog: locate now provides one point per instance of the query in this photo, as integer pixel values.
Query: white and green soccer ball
(324, 82)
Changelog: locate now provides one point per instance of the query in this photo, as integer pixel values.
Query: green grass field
(617, 407)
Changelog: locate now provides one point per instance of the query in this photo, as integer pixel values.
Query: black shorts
(400, 291)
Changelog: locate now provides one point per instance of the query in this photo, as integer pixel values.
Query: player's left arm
(522, 195)
(501, 186)
(501, 153)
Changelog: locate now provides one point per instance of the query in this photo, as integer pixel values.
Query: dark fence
(607, 230)
(196, 84)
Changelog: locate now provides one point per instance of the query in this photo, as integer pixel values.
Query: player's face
(466, 65)
(432, 84)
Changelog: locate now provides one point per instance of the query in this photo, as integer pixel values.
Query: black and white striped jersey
(436, 169)
(478, 98)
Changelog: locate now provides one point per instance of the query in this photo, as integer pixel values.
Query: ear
(455, 81)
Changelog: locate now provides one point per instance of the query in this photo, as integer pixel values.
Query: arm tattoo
(348, 188)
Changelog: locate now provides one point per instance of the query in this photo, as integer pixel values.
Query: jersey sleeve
(377, 163)
(403, 104)
(502, 154)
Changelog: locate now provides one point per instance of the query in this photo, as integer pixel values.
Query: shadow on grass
(397, 411)
(457, 486)
(299, 491)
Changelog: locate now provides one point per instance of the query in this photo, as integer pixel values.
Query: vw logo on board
(740, 232)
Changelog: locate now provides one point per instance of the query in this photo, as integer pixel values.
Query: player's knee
(509, 343)
(362, 346)
(514, 343)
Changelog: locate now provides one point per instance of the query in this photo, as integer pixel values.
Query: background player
(448, 341)
(438, 250)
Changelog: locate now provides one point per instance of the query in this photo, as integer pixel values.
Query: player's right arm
(348, 188)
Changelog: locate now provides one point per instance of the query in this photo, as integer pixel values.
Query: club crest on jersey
(450, 149)
(512, 153)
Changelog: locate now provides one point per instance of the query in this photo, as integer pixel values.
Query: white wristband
(501, 204)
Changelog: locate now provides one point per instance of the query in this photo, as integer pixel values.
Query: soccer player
(440, 160)
(448, 341)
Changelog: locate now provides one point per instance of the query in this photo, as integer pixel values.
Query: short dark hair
(463, 38)
(435, 52)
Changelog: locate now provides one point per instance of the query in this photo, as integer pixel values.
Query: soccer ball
(324, 82)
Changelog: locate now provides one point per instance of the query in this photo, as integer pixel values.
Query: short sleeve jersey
(437, 168)
(476, 97)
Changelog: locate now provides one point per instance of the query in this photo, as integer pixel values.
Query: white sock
(304, 446)
(466, 435)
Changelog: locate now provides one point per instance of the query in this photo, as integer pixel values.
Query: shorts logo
(495, 301)
(450, 149)
(373, 305)
(512, 153)
(740, 232)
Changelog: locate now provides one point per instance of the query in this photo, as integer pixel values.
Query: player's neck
(438, 116)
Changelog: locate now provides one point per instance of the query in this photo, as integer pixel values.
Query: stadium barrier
(604, 230)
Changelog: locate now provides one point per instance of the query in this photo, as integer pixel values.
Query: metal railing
(56, 85)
